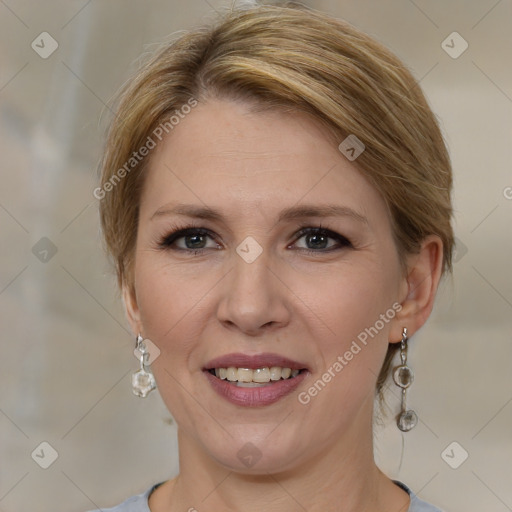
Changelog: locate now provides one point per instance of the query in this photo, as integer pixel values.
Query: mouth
(257, 377)
(255, 380)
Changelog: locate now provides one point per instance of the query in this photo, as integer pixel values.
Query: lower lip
(254, 397)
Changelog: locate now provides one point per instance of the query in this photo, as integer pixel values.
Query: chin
(257, 455)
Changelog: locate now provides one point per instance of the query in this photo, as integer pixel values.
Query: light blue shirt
(139, 503)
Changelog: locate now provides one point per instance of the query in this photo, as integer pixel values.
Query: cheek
(355, 309)
(353, 299)
(167, 300)
(168, 292)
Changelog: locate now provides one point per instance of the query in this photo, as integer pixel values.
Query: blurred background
(73, 436)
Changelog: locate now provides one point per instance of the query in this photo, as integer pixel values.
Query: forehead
(223, 155)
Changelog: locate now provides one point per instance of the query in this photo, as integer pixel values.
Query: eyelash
(177, 232)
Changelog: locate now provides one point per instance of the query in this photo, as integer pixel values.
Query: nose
(254, 297)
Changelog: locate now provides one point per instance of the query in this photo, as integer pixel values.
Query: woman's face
(257, 280)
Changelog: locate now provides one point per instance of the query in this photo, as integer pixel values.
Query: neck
(343, 475)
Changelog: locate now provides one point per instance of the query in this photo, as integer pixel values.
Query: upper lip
(239, 360)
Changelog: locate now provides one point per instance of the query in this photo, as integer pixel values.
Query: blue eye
(195, 240)
(318, 237)
(196, 236)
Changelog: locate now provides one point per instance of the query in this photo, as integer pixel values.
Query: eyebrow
(292, 213)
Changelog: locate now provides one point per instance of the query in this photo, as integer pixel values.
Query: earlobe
(131, 308)
(423, 276)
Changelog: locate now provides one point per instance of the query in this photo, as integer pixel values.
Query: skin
(309, 307)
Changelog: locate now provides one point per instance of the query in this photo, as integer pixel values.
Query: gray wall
(66, 350)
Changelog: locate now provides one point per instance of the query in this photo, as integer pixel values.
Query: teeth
(275, 373)
(258, 376)
(244, 375)
(231, 374)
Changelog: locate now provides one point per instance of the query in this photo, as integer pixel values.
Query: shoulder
(417, 505)
(137, 503)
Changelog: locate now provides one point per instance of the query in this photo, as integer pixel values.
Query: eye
(316, 240)
(194, 239)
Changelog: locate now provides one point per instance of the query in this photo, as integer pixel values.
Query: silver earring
(143, 381)
(403, 377)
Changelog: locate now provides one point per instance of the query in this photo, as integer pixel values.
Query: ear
(131, 308)
(419, 288)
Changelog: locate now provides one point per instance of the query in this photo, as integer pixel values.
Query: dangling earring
(403, 377)
(143, 381)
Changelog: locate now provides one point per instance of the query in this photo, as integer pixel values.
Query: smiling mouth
(258, 377)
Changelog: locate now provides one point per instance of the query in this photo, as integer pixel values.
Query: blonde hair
(290, 58)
